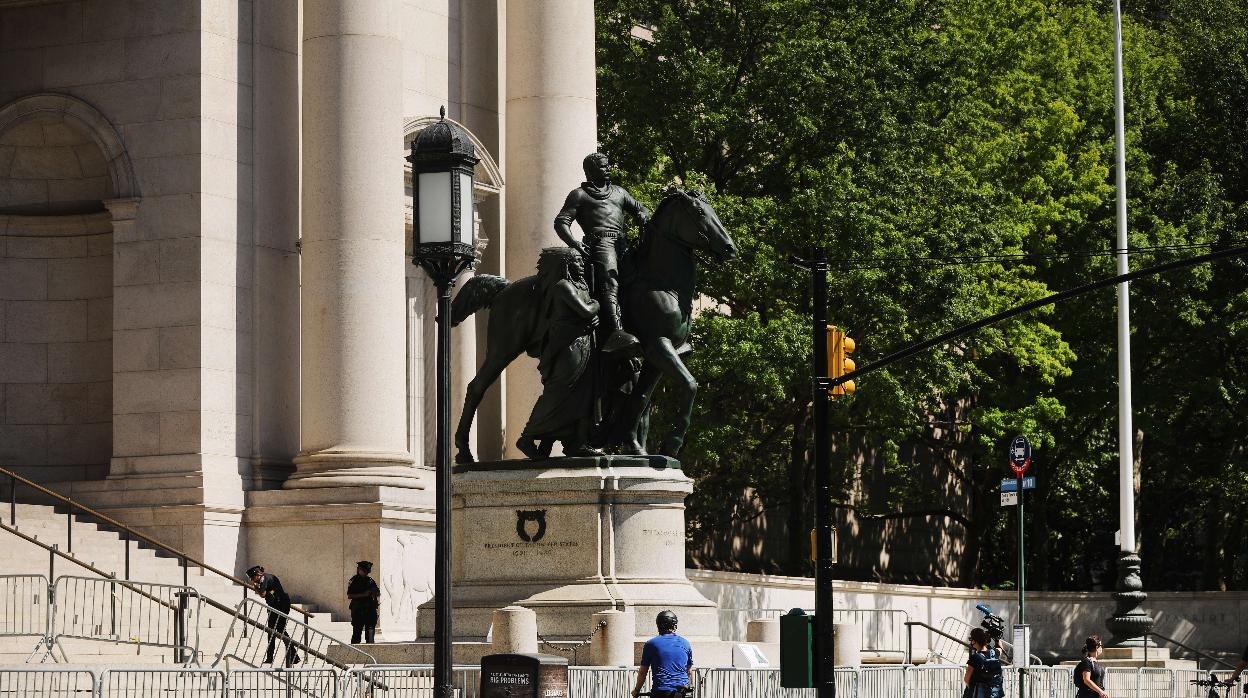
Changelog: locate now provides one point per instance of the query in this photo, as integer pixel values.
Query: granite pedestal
(568, 538)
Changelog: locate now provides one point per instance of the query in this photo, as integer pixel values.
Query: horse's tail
(476, 294)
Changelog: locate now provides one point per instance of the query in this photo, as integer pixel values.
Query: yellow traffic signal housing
(839, 344)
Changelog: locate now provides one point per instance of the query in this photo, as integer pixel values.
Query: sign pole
(1020, 461)
(1022, 567)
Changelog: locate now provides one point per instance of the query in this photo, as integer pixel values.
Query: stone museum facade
(210, 325)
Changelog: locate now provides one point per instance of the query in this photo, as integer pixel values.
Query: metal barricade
(24, 605)
(1042, 681)
(1184, 688)
(283, 683)
(1154, 683)
(127, 612)
(763, 683)
(877, 682)
(407, 681)
(607, 682)
(934, 681)
(174, 683)
(261, 635)
(59, 682)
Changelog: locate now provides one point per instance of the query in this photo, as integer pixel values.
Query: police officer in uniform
(600, 208)
(669, 659)
(365, 602)
(270, 587)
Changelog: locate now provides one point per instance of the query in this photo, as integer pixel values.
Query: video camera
(991, 622)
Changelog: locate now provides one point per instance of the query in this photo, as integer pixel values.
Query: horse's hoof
(671, 447)
(463, 456)
(629, 449)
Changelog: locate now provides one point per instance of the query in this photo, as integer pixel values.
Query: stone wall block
(136, 434)
(136, 350)
(85, 277)
(100, 401)
(155, 17)
(180, 390)
(21, 70)
(46, 247)
(42, 403)
(23, 444)
(156, 305)
(165, 55)
(23, 363)
(42, 25)
(179, 98)
(80, 362)
(79, 444)
(180, 259)
(46, 321)
(137, 392)
(85, 63)
(162, 138)
(168, 175)
(179, 347)
(180, 432)
(23, 279)
(99, 319)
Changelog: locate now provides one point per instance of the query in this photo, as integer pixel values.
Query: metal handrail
(910, 648)
(14, 478)
(1193, 650)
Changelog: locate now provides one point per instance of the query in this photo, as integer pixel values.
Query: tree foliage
(921, 142)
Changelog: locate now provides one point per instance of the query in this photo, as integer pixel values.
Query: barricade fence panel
(284, 683)
(23, 605)
(123, 611)
(406, 681)
(608, 682)
(47, 683)
(934, 681)
(261, 635)
(164, 683)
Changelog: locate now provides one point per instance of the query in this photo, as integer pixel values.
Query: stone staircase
(105, 550)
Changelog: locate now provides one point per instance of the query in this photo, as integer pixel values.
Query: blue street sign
(1011, 485)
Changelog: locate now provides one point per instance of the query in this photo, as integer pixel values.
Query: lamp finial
(442, 113)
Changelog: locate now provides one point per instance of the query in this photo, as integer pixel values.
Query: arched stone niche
(65, 185)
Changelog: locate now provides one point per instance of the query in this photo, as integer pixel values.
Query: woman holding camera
(983, 669)
(1090, 675)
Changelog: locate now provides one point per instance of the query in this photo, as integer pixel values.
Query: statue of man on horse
(644, 296)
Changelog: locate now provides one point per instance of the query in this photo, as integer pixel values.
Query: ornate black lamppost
(442, 225)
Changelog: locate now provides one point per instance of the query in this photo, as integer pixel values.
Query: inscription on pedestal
(524, 676)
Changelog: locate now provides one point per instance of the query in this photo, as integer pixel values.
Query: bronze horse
(656, 295)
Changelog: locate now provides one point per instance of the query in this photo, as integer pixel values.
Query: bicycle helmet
(666, 620)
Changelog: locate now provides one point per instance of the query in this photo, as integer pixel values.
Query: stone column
(352, 413)
(551, 126)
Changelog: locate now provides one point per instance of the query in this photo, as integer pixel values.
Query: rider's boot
(619, 340)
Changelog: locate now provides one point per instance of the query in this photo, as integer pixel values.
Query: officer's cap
(365, 565)
(255, 569)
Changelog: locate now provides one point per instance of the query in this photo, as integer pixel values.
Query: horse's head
(687, 218)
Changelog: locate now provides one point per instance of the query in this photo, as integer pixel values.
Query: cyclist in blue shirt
(668, 658)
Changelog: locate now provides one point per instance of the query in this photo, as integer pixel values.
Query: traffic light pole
(825, 667)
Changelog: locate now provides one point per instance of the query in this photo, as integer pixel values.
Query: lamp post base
(1130, 625)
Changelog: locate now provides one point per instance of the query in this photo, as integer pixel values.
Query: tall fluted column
(353, 401)
(551, 126)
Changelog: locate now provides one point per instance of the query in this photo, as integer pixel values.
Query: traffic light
(838, 364)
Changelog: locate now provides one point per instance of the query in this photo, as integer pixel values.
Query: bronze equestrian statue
(656, 298)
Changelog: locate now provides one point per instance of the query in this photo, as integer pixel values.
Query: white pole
(1126, 461)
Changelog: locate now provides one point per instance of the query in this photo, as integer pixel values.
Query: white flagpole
(1126, 460)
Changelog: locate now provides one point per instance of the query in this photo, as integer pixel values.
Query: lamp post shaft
(443, 637)
(825, 663)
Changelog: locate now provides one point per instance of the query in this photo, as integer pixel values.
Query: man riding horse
(600, 207)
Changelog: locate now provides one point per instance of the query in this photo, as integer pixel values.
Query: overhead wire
(880, 263)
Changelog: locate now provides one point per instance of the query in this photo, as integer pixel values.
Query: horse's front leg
(490, 371)
(669, 363)
(628, 433)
